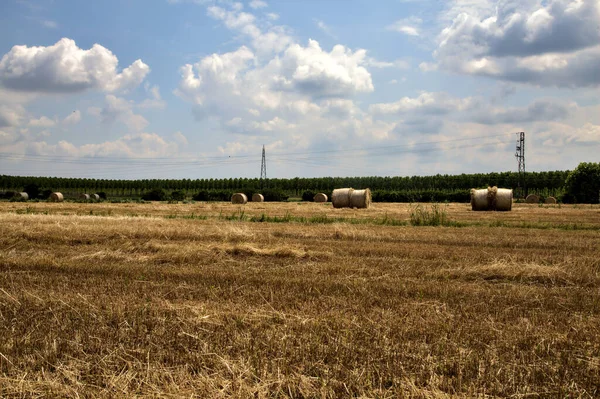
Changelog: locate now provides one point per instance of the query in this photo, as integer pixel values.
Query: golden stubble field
(196, 300)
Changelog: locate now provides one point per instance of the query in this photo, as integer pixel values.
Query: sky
(153, 89)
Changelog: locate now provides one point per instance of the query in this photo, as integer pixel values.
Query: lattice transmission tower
(520, 155)
(263, 169)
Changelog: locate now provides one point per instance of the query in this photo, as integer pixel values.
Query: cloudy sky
(194, 88)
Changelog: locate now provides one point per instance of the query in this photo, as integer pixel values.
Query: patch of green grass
(435, 215)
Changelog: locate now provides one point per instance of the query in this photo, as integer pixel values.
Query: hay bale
(21, 196)
(258, 198)
(239, 198)
(360, 199)
(95, 197)
(85, 197)
(340, 198)
(56, 197)
(479, 199)
(532, 199)
(320, 197)
(550, 200)
(504, 199)
(491, 199)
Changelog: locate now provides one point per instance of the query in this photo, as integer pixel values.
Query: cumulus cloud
(66, 68)
(119, 109)
(556, 43)
(11, 114)
(43, 122)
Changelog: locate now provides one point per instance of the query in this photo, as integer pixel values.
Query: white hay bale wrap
(532, 199)
(360, 199)
(550, 200)
(95, 197)
(340, 198)
(22, 196)
(56, 197)
(504, 199)
(258, 198)
(239, 198)
(85, 197)
(491, 199)
(479, 199)
(320, 197)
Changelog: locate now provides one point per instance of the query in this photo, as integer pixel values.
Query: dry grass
(121, 306)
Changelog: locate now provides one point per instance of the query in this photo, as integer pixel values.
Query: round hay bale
(504, 199)
(85, 197)
(479, 199)
(550, 200)
(22, 196)
(258, 198)
(340, 198)
(491, 199)
(56, 197)
(360, 199)
(95, 197)
(532, 199)
(239, 198)
(320, 197)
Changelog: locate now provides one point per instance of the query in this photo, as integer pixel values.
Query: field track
(203, 300)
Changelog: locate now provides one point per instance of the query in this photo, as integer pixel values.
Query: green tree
(583, 183)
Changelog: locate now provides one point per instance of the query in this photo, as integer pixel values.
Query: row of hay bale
(59, 197)
(535, 199)
(351, 198)
(491, 199)
(241, 198)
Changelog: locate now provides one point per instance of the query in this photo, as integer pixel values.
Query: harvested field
(205, 300)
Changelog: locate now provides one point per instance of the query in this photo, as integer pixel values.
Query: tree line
(544, 183)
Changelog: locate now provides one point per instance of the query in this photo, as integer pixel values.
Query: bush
(8, 194)
(308, 196)
(272, 195)
(101, 194)
(583, 184)
(45, 194)
(158, 194)
(32, 190)
(213, 195)
(421, 196)
(178, 195)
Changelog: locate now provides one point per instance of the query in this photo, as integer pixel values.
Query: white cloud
(549, 44)
(42, 122)
(11, 114)
(323, 27)
(272, 16)
(409, 26)
(50, 24)
(73, 118)
(425, 103)
(155, 101)
(119, 109)
(65, 68)
(180, 139)
(257, 4)
(140, 145)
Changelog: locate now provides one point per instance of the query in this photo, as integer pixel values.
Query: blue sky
(195, 88)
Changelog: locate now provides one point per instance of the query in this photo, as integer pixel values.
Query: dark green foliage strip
(450, 188)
